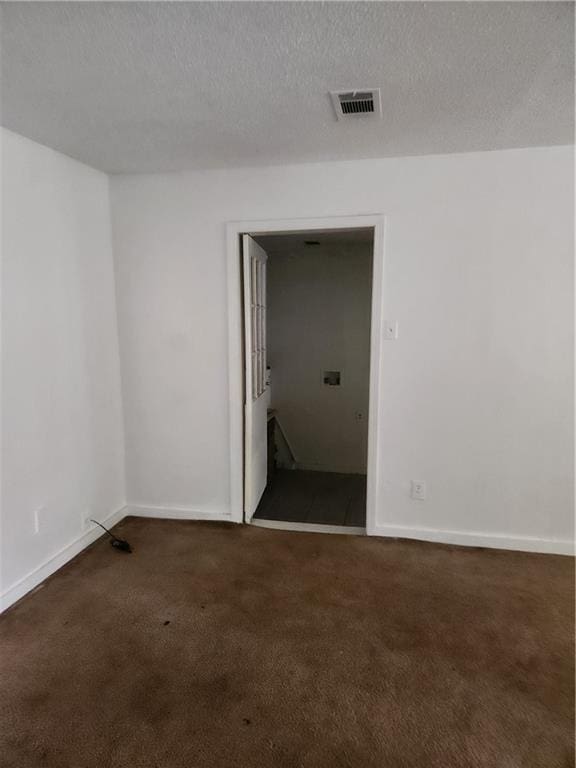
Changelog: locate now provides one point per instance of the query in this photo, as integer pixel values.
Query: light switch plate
(391, 330)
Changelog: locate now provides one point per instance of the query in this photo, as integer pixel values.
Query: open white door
(255, 402)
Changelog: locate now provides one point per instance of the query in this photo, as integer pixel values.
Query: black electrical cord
(117, 543)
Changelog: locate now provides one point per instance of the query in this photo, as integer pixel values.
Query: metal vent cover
(360, 103)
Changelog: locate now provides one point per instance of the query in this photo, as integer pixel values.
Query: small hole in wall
(331, 378)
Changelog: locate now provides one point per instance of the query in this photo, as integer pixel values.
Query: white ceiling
(137, 87)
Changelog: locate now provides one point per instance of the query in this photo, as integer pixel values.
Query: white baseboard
(475, 539)
(176, 513)
(464, 538)
(56, 561)
(284, 525)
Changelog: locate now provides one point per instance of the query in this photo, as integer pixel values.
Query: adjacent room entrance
(310, 309)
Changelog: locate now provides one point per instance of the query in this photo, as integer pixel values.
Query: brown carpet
(218, 646)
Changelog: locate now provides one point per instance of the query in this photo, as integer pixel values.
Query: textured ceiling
(136, 87)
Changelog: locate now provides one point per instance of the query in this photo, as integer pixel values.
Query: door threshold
(285, 525)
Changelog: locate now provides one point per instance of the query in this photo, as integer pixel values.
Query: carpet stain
(290, 650)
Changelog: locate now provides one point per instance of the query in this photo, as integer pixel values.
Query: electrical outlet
(418, 490)
(391, 330)
(36, 520)
(87, 523)
(358, 416)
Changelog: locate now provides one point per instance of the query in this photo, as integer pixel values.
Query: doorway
(309, 294)
(317, 346)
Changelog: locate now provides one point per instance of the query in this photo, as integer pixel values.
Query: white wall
(478, 388)
(319, 302)
(62, 438)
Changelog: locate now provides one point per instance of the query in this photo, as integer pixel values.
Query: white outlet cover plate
(36, 518)
(391, 330)
(418, 490)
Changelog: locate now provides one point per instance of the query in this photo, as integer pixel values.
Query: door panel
(255, 405)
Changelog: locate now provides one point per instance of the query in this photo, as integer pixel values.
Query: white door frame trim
(235, 354)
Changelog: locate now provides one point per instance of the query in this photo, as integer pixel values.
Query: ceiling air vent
(365, 103)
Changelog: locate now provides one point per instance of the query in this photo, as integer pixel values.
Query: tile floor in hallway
(299, 496)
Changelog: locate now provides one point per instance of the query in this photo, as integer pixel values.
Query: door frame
(234, 230)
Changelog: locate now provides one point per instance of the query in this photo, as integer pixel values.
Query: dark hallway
(314, 497)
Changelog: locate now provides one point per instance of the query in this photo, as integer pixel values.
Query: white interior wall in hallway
(319, 302)
(478, 388)
(62, 436)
